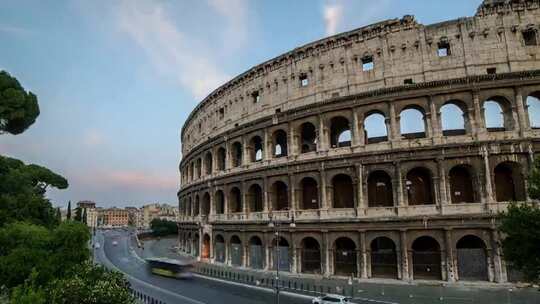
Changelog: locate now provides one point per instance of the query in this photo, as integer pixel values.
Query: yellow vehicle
(170, 268)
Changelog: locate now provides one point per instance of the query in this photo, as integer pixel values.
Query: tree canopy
(18, 108)
(163, 227)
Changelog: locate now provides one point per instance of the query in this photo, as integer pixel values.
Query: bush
(163, 227)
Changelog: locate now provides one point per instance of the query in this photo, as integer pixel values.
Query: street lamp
(276, 225)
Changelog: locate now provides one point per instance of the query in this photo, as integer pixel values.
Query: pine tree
(58, 215)
(78, 214)
(68, 215)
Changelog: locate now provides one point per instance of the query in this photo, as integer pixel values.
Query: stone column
(266, 190)
(292, 193)
(361, 205)
(478, 118)
(322, 142)
(355, 130)
(326, 254)
(246, 159)
(294, 256)
(244, 197)
(267, 147)
(399, 185)
(444, 200)
(226, 200)
(487, 174)
(499, 266)
(450, 264)
(436, 132)
(394, 127)
(228, 155)
(523, 121)
(404, 256)
(212, 202)
(361, 134)
(324, 200)
(363, 255)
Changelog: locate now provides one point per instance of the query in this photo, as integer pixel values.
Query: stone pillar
(212, 202)
(245, 248)
(244, 197)
(267, 146)
(436, 132)
(444, 199)
(450, 263)
(324, 200)
(361, 205)
(478, 118)
(246, 159)
(363, 255)
(226, 209)
(326, 253)
(361, 134)
(292, 192)
(523, 121)
(228, 155)
(322, 143)
(405, 275)
(487, 175)
(267, 243)
(291, 142)
(393, 135)
(399, 185)
(499, 266)
(266, 191)
(355, 130)
(294, 257)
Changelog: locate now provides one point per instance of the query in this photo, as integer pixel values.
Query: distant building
(86, 204)
(160, 211)
(91, 212)
(114, 218)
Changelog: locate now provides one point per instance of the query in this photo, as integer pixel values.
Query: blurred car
(97, 246)
(330, 298)
(115, 243)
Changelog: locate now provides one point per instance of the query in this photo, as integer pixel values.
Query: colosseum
(306, 162)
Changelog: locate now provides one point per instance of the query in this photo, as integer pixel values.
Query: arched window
(235, 200)
(198, 167)
(255, 196)
(461, 185)
(383, 258)
(311, 256)
(256, 255)
(256, 147)
(308, 137)
(375, 128)
(310, 193)
(279, 138)
(509, 184)
(189, 208)
(208, 163)
(340, 132)
(380, 192)
(345, 257)
(498, 114)
(222, 154)
(419, 187)
(206, 204)
(236, 154)
(472, 259)
(280, 196)
(412, 123)
(533, 110)
(453, 118)
(343, 191)
(197, 206)
(426, 258)
(220, 202)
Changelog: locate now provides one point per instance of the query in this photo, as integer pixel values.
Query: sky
(116, 79)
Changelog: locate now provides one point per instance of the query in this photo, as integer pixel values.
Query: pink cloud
(137, 179)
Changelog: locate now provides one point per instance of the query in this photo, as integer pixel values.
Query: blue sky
(117, 79)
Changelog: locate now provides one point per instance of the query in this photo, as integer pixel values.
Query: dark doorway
(380, 192)
(310, 193)
(383, 258)
(311, 256)
(472, 259)
(426, 254)
(280, 196)
(343, 196)
(345, 257)
(419, 187)
(461, 185)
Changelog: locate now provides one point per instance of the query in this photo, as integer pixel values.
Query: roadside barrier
(143, 298)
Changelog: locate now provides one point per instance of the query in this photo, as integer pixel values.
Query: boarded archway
(461, 185)
(509, 182)
(472, 259)
(380, 192)
(256, 253)
(220, 202)
(281, 255)
(235, 200)
(383, 258)
(345, 257)
(221, 157)
(236, 251)
(280, 196)
(219, 248)
(419, 187)
(311, 256)
(205, 254)
(310, 193)
(236, 154)
(343, 191)
(426, 254)
(205, 208)
(255, 198)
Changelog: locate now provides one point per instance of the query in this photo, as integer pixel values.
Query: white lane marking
(150, 285)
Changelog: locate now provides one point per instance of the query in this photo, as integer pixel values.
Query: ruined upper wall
(402, 50)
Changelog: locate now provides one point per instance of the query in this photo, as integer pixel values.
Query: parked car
(330, 298)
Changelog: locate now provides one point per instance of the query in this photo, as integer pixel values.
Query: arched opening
(280, 196)
(310, 193)
(236, 154)
(343, 191)
(189, 244)
(205, 254)
(197, 206)
(219, 245)
(308, 137)
(509, 184)
(340, 132)
(208, 163)
(383, 258)
(198, 168)
(461, 185)
(222, 154)
(279, 138)
(205, 208)
(192, 171)
(345, 257)
(256, 148)
(533, 110)
(375, 128)
(281, 254)
(195, 246)
(380, 192)
(498, 114)
(255, 196)
(453, 118)
(256, 258)
(220, 202)
(419, 187)
(412, 123)
(236, 251)
(311, 256)
(472, 259)
(426, 254)
(189, 207)
(235, 200)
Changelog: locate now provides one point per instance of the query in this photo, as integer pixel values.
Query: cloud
(333, 17)
(139, 179)
(169, 49)
(235, 14)
(92, 138)
(15, 30)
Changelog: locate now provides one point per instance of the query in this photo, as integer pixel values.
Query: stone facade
(286, 142)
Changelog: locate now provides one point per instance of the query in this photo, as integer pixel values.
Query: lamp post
(276, 225)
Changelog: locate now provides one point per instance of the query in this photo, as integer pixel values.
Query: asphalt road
(194, 291)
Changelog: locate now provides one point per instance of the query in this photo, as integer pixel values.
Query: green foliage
(18, 108)
(534, 180)
(163, 227)
(68, 216)
(521, 225)
(58, 215)
(78, 214)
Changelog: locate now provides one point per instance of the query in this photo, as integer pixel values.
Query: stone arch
(343, 191)
(219, 248)
(419, 187)
(308, 137)
(256, 148)
(375, 127)
(196, 206)
(198, 167)
(426, 257)
(255, 198)
(236, 250)
(235, 200)
(280, 196)
(281, 254)
(497, 114)
(472, 259)
(454, 118)
(340, 132)
(311, 255)
(279, 139)
(189, 207)
(205, 207)
(219, 199)
(309, 193)
(509, 184)
(383, 258)
(533, 109)
(461, 184)
(380, 191)
(256, 253)
(208, 163)
(221, 158)
(236, 154)
(345, 262)
(205, 254)
(412, 122)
